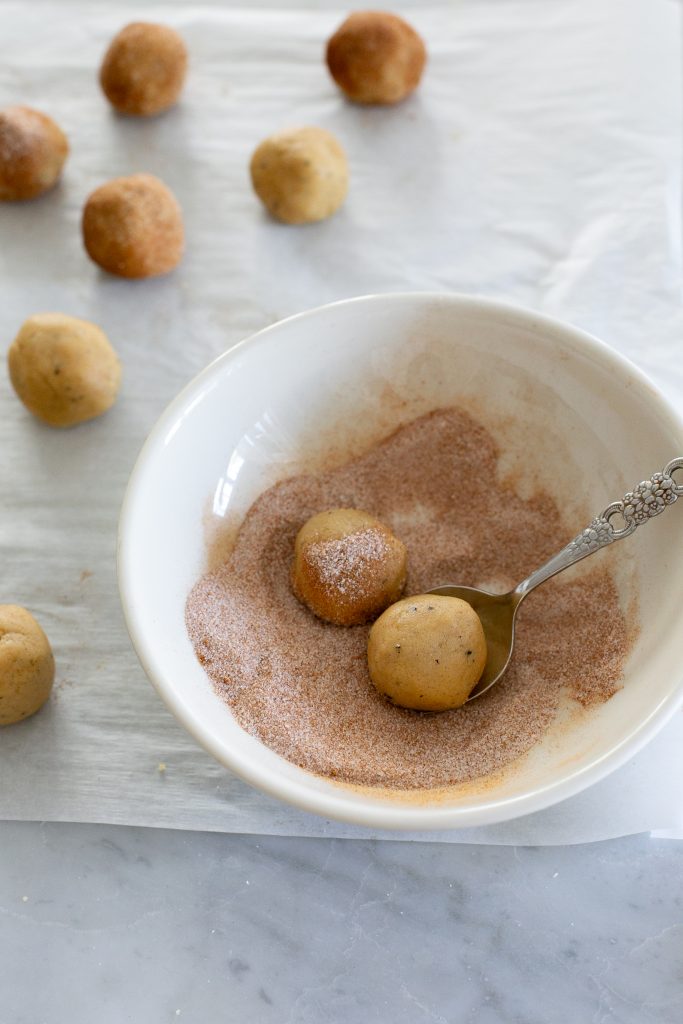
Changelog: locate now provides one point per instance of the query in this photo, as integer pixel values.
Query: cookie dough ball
(347, 566)
(27, 668)
(144, 69)
(32, 153)
(300, 175)
(427, 652)
(375, 57)
(64, 370)
(133, 227)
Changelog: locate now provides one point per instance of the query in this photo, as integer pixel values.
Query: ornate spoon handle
(647, 500)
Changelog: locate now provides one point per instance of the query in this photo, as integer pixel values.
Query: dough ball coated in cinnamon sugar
(63, 369)
(348, 566)
(376, 57)
(427, 652)
(27, 667)
(300, 175)
(144, 69)
(32, 153)
(133, 227)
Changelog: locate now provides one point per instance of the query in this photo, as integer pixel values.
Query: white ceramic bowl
(571, 415)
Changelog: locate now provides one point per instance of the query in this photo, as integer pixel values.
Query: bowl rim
(388, 815)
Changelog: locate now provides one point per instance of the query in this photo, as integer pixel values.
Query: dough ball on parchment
(300, 175)
(143, 71)
(63, 369)
(376, 57)
(32, 153)
(27, 667)
(133, 227)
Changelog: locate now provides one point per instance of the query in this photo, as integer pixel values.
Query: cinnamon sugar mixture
(302, 686)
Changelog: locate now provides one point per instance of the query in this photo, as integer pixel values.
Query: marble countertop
(114, 924)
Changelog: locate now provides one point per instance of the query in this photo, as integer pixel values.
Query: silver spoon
(497, 611)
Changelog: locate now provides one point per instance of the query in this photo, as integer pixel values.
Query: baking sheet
(540, 162)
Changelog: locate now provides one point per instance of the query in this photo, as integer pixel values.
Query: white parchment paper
(539, 162)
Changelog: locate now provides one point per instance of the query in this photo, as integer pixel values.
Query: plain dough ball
(133, 227)
(348, 567)
(427, 652)
(32, 153)
(300, 175)
(64, 370)
(144, 69)
(27, 667)
(376, 57)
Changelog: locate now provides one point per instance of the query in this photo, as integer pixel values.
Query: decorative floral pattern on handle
(648, 499)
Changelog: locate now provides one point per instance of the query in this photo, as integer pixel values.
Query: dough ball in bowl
(376, 57)
(144, 69)
(133, 227)
(348, 566)
(32, 153)
(300, 175)
(27, 667)
(427, 652)
(63, 369)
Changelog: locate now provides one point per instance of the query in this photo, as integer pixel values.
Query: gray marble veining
(112, 924)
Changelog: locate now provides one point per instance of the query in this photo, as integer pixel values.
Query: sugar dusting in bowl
(302, 685)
